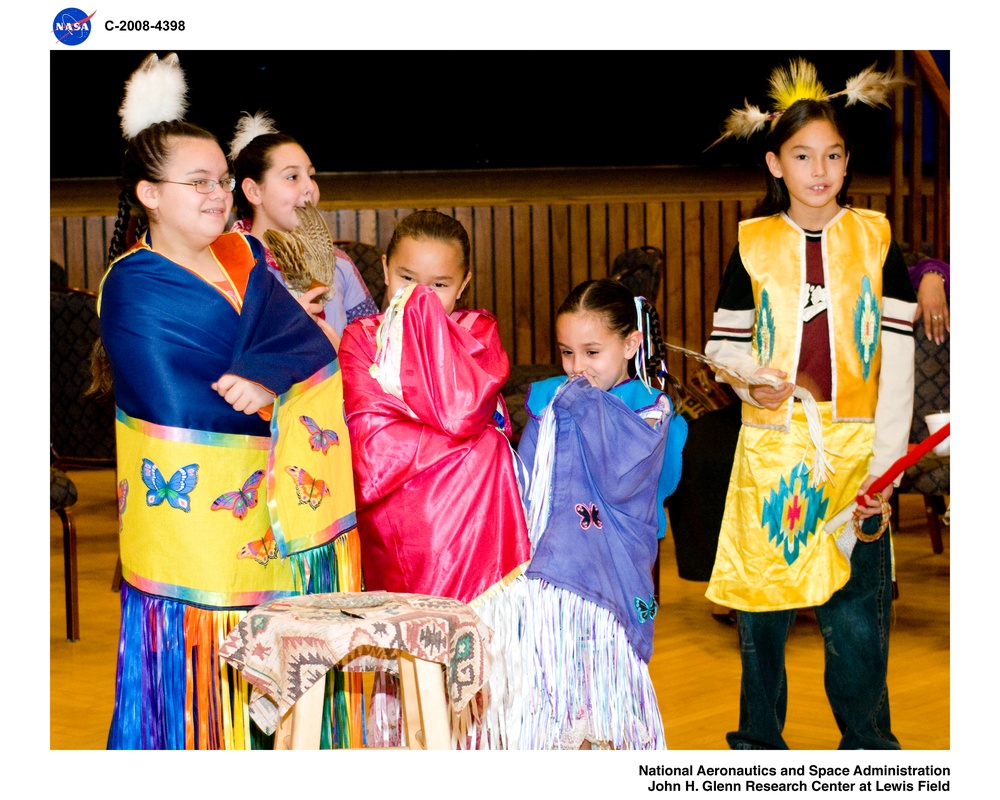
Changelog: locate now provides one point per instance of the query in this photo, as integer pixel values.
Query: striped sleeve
(894, 412)
(732, 324)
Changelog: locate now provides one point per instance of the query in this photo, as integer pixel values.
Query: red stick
(899, 466)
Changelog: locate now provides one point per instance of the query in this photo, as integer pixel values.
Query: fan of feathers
(305, 255)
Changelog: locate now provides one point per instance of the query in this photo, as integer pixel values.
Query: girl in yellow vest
(817, 296)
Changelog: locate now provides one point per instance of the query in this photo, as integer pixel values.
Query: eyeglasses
(206, 186)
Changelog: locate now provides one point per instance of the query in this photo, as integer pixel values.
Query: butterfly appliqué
(309, 490)
(589, 515)
(320, 438)
(644, 609)
(260, 550)
(176, 491)
(122, 498)
(241, 501)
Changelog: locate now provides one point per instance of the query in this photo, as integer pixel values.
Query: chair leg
(69, 564)
(423, 704)
(933, 523)
(116, 579)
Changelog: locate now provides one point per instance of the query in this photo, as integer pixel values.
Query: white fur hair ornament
(249, 127)
(799, 81)
(156, 92)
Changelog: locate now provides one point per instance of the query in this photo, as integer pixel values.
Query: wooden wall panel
(615, 243)
(711, 250)
(579, 244)
(484, 284)
(522, 286)
(635, 229)
(673, 255)
(654, 238)
(57, 241)
(540, 290)
(693, 284)
(561, 273)
(527, 257)
(503, 273)
(385, 219)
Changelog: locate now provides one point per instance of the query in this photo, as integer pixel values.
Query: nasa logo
(72, 26)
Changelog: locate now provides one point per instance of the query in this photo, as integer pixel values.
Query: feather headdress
(156, 92)
(799, 81)
(249, 128)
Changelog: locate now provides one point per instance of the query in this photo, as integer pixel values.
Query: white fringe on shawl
(493, 720)
(497, 723)
(579, 666)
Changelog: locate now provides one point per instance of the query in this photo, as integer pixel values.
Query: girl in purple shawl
(601, 463)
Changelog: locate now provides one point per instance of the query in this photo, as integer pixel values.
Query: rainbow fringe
(173, 692)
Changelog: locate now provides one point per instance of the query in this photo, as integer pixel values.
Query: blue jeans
(855, 627)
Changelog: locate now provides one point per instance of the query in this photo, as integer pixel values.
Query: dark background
(442, 110)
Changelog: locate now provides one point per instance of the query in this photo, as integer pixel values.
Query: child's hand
(772, 396)
(591, 379)
(308, 301)
(243, 395)
(871, 507)
(330, 332)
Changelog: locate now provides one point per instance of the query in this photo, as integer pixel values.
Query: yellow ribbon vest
(854, 245)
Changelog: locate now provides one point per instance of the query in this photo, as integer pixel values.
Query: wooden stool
(285, 648)
(424, 709)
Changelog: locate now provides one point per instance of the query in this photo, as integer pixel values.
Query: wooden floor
(695, 665)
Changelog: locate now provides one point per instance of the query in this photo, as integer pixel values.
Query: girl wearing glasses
(234, 465)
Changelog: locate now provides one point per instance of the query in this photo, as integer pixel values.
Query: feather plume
(748, 378)
(156, 92)
(871, 87)
(797, 81)
(306, 255)
(742, 123)
(249, 128)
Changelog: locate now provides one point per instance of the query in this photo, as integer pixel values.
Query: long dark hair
(794, 119)
(615, 304)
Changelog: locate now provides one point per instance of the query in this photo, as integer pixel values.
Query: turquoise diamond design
(764, 330)
(793, 512)
(867, 324)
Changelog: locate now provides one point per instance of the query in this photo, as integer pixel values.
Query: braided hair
(623, 313)
(146, 158)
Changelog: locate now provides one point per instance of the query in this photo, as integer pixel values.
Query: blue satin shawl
(170, 334)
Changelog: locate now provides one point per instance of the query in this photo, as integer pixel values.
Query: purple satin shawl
(600, 541)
